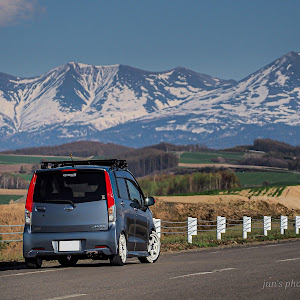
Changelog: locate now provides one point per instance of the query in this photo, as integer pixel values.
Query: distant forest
(271, 153)
(170, 184)
(156, 158)
(80, 148)
(146, 161)
(141, 161)
(8, 181)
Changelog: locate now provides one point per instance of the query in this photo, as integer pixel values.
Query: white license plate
(69, 246)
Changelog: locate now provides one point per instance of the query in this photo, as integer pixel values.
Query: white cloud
(14, 11)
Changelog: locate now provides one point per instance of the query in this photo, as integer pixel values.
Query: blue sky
(226, 38)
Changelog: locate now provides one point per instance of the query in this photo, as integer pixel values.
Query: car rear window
(77, 186)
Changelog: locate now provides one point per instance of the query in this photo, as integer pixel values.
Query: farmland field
(207, 157)
(6, 159)
(4, 199)
(258, 178)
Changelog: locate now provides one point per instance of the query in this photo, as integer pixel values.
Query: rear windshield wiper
(64, 201)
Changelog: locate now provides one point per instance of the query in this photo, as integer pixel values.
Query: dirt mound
(290, 197)
(208, 207)
(232, 209)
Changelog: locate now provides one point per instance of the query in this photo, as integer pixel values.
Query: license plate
(69, 246)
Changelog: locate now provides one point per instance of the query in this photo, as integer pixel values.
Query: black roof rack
(113, 163)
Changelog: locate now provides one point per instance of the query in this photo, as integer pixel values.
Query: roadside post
(246, 226)
(267, 224)
(297, 224)
(157, 224)
(221, 226)
(283, 224)
(192, 228)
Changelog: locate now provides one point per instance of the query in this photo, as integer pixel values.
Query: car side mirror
(149, 201)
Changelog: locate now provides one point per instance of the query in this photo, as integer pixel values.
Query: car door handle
(40, 208)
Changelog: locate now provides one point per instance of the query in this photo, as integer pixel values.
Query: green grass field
(207, 157)
(27, 177)
(273, 178)
(26, 159)
(4, 199)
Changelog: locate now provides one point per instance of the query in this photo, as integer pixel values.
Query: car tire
(68, 261)
(120, 258)
(153, 249)
(33, 263)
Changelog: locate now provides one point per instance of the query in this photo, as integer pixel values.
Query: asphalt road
(270, 271)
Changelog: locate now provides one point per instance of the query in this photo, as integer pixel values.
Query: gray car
(87, 209)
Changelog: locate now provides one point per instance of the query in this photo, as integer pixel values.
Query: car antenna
(72, 160)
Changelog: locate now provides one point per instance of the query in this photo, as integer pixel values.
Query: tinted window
(133, 192)
(122, 188)
(79, 186)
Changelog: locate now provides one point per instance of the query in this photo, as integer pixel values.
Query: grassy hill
(210, 157)
(79, 148)
(273, 178)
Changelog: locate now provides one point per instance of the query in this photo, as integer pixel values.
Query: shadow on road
(12, 266)
(4, 266)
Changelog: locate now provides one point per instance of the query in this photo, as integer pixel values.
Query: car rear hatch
(70, 200)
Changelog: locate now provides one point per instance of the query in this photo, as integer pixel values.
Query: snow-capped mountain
(129, 106)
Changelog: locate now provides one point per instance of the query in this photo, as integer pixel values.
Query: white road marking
(215, 252)
(68, 296)
(26, 273)
(203, 273)
(272, 246)
(288, 259)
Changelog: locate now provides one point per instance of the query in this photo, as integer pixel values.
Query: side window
(122, 188)
(134, 192)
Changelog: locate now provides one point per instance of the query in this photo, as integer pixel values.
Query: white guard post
(246, 226)
(157, 224)
(221, 226)
(283, 224)
(297, 224)
(192, 228)
(267, 224)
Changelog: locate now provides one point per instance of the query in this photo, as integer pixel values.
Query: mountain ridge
(120, 103)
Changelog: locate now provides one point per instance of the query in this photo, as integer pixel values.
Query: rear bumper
(46, 244)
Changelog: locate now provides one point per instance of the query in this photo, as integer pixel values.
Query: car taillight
(29, 200)
(110, 199)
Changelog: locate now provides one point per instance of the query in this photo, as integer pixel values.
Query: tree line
(8, 181)
(146, 161)
(270, 153)
(170, 184)
(268, 145)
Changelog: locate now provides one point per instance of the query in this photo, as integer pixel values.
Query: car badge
(68, 208)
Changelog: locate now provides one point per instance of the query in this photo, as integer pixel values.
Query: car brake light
(110, 199)
(29, 200)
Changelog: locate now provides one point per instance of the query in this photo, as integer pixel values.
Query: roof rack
(113, 163)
